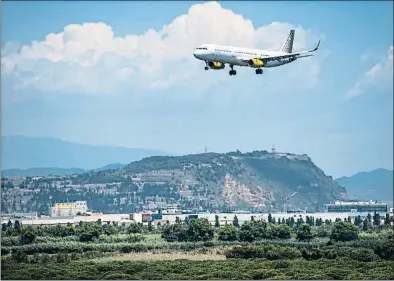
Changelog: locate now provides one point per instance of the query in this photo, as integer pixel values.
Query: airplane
(217, 56)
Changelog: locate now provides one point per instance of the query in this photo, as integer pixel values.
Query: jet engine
(256, 63)
(216, 65)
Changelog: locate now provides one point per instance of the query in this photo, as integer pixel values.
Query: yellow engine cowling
(257, 63)
(216, 65)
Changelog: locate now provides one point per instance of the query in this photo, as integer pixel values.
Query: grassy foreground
(197, 250)
(192, 269)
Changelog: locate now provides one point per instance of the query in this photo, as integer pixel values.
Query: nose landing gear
(206, 66)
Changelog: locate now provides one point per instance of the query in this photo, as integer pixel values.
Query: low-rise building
(356, 206)
(68, 209)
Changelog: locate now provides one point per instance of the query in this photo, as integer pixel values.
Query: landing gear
(259, 71)
(206, 68)
(232, 71)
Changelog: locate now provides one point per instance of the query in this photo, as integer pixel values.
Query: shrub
(281, 231)
(254, 231)
(359, 254)
(322, 231)
(344, 231)
(118, 276)
(227, 233)
(270, 252)
(311, 254)
(304, 233)
(385, 249)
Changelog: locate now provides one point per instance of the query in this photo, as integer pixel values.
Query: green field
(198, 250)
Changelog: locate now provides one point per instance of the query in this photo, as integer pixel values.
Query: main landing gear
(259, 71)
(232, 71)
(206, 66)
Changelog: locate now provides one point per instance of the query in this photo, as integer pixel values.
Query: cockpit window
(201, 49)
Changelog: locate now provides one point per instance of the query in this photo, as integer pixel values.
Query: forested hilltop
(257, 180)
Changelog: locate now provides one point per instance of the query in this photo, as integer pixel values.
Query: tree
(4, 227)
(291, 222)
(387, 219)
(134, 228)
(369, 217)
(254, 231)
(177, 220)
(365, 225)
(304, 232)
(199, 230)
(376, 219)
(269, 218)
(217, 223)
(9, 224)
(150, 228)
(17, 226)
(235, 221)
(28, 235)
(282, 231)
(108, 229)
(299, 222)
(252, 218)
(344, 231)
(228, 233)
(357, 220)
(174, 233)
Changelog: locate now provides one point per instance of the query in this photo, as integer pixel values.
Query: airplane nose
(195, 55)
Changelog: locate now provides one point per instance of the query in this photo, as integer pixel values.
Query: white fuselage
(237, 55)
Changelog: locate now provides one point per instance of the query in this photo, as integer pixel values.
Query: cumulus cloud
(89, 58)
(381, 73)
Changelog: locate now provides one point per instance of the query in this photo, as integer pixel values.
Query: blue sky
(112, 82)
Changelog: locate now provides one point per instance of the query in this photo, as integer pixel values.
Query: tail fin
(288, 44)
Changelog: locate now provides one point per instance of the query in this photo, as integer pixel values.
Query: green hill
(233, 180)
(373, 185)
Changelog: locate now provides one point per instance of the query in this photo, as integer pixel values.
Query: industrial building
(68, 209)
(356, 207)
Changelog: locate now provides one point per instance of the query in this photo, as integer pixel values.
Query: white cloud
(89, 58)
(381, 73)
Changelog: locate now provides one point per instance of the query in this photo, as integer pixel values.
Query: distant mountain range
(18, 173)
(36, 172)
(373, 185)
(20, 152)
